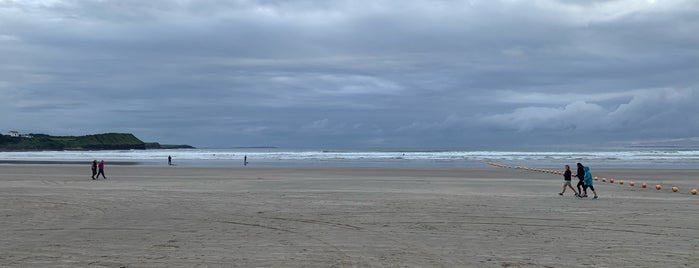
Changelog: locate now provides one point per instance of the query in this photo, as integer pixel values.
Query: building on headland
(16, 134)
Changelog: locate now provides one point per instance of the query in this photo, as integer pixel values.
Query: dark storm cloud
(348, 73)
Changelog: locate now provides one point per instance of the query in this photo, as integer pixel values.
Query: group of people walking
(100, 167)
(584, 180)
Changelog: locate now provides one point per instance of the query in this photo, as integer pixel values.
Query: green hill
(108, 141)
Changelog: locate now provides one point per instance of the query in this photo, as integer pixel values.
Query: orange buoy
(604, 179)
(675, 189)
(631, 183)
(658, 187)
(595, 177)
(693, 191)
(621, 181)
(643, 185)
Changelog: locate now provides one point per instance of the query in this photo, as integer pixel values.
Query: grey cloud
(348, 73)
(648, 111)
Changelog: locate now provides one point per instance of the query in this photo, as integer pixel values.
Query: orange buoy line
(644, 185)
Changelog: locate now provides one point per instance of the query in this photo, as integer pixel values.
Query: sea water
(624, 157)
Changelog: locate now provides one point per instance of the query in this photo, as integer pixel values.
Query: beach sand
(145, 216)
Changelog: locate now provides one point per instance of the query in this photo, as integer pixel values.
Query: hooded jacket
(588, 176)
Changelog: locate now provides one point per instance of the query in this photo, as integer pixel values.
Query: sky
(354, 74)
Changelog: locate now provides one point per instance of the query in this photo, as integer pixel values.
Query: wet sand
(144, 216)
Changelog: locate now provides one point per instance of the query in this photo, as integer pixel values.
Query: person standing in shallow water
(94, 169)
(566, 181)
(169, 160)
(100, 166)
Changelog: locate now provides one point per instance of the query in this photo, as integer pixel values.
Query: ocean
(602, 158)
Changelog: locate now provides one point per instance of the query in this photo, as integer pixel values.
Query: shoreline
(552, 159)
(556, 165)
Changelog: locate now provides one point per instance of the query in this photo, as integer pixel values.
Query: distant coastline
(255, 147)
(96, 142)
(155, 146)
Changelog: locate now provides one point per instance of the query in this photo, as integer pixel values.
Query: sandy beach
(146, 216)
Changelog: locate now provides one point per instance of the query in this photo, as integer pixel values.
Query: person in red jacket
(100, 166)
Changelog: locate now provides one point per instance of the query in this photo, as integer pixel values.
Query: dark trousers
(101, 172)
(581, 184)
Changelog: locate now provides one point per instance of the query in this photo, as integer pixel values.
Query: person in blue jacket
(588, 183)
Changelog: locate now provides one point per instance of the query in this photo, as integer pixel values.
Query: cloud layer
(353, 74)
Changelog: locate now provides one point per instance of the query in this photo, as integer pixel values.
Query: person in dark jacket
(566, 181)
(581, 177)
(94, 169)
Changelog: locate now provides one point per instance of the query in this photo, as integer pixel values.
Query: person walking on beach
(566, 181)
(94, 169)
(101, 170)
(581, 177)
(588, 183)
(169, 160)
(245, 161)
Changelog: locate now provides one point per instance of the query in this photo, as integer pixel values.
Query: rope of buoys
(674, 189)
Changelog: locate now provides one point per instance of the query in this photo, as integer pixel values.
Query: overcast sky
(335, 74)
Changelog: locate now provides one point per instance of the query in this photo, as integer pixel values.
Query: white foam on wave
(317, 155)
